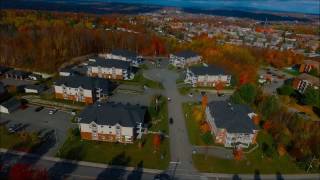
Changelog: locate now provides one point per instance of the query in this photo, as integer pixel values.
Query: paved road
(180, 148)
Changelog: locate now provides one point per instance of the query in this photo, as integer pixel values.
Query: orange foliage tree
(204, 102)
(238, 154)
(219, 85)
(156, 141)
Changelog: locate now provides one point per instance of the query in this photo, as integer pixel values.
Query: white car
(52, 111)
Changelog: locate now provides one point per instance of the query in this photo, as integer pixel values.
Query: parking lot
(278, 78)
(33, 121)
(16, 82)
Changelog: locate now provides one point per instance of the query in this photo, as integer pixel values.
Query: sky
(300, 6)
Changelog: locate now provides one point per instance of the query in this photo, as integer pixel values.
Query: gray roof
(39, 87)
(210, 70)
(11, 104)
(111, 113)
(2, 88)
(110, 63)
(186, 54)
(4, 69)
(232, 117)
(17, 73)
(124, 53)
(86, 83)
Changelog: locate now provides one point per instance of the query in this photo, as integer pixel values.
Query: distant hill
(125, 8)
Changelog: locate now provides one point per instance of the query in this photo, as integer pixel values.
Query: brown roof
(312, 79)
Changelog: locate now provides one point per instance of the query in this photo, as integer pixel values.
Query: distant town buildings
(231, 123)
(112, 122)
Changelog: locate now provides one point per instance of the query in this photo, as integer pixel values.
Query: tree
(25, 171)
(245, 94)
(156, 141)
(285, 90)
(219, 85)
(207, 138)
(197, 114)
(312, 97)
(204, 102)
(314, 72)
(269, 105)
(204, 127)
(238, 154)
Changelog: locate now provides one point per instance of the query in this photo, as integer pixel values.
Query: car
(169, 99)
(14, 128)
(221, 95)
(23, 106)
(162, 176)
(191, 94)
(52, 111)
(39, 108)
(171, 121)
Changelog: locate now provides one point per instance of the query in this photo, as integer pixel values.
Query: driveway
(42, 121)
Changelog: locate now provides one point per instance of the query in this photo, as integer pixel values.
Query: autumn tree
(204, 102)
(219, 85)
(25, 171)
(238, 154)
(156, 142)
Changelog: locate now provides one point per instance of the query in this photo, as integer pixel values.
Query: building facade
(124, 55)
(231, 124)
(184, 59)
(112, 122)
(206, 76)
(109, 69)
(82, 89)
(303, 81)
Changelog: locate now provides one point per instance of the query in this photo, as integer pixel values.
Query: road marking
(174, 162)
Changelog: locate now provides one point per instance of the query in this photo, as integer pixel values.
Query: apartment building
(184, 59)
(112, 122)
(303, 81)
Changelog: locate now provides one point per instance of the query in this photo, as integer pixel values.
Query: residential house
(308, 65)
(9, 106)
(34, 89)
(124, 55)
(304, 80)
(231, 123)
(82, 89)
(206, 76)
(112, 122)
(110, 69)
(16, 74)
(184, 59)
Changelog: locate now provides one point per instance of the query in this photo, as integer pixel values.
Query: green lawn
(292, 72)
(194, 133)
(17, 141)
(116, 153)
(140, 79)
(159, 118)
(252, 162)
(267, 161)
(184, 90)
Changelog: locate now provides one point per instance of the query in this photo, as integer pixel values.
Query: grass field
(160, 118)
(266, 162)
(17, 141)
(116, 153)
(193, 127)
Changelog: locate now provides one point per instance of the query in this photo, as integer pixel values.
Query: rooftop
(124, 53)
(232, 117)
(210, 70)
(85, 82)
(186, 54)
(312, 79)
(109, 113)
(110, 63)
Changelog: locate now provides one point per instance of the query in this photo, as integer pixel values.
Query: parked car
(169, 99)
(52, 111)
(39, 108)
(191, 94)
(14, 128)
(23, 106)
(171, 121)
